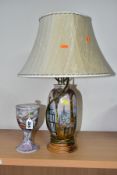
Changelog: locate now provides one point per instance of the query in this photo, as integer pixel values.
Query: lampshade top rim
(70, 13)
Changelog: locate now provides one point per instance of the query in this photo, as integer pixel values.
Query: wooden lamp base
(61, 148)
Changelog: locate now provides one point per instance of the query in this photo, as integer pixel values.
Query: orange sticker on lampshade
(64, 46)
(88, 39)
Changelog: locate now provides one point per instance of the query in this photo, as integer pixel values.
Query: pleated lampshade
(65, 46)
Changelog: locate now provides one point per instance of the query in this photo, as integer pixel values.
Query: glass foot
(27, 148)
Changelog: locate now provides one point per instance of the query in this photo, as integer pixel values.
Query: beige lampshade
(65, 47)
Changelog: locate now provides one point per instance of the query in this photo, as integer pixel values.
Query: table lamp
(65, 48)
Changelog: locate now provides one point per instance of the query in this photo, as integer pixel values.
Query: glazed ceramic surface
(61, 115)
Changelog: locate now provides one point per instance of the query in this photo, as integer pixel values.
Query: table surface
(94, 150)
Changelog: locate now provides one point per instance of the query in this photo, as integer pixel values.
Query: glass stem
(27, 136)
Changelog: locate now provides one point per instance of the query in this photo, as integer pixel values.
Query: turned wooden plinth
(61, 148)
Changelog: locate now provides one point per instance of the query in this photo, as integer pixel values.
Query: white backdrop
(18, 29)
